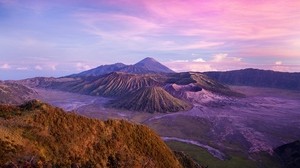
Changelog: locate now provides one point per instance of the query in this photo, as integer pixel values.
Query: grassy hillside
(236, 160)
(39, 134)
(150, 99)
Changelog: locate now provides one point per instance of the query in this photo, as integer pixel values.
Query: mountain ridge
(145, 66)
(258, 78)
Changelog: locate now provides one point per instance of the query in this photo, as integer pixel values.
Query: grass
(50, 136)
(236, 160)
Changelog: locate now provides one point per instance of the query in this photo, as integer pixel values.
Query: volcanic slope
(13, 93)
(199, 81)
(37, 134)
(152, 65)
(116, 84)
(150, 99)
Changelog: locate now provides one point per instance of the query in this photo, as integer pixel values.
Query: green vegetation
(41, 135)
(236, 160)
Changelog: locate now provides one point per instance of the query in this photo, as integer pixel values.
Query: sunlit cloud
(189, 66)
(199, 60)
(5, 66)
(82, 67)
(219, 62)
(38, 67)
(22, 68)
(52, 67)
(223, 57)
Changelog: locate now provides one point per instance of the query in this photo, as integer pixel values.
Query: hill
(145, 66)
(258, 78)
(150, 99)
(37, 134)
(114, 84)
(152, 65)
(100, 70)
(199, 81)
(289, 154)
(13, 93)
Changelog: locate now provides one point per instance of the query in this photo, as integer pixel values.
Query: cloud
(219, 57)
(180, 61)
(38, 67)
(22, 68)
(172, 45)
(199, 60)
(52, 67)
(82, 67)
(199, 45)
(223, 57)
(5, 66)
(219, 62)
(189, 66)
(116, 25)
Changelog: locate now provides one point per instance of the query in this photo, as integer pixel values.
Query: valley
(217, 125)
(248, 127)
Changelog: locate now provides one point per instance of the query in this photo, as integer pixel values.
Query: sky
(61, 37)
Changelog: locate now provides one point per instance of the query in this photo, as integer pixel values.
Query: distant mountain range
(258, 78)
(145, 66)
(36, 134)
(138, 92)
(133, 81)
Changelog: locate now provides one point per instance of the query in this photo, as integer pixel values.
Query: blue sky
(56, 38)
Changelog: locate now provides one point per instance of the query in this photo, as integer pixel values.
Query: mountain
(137, 70)
(36, 134)
(145, 66)
(150, 99)
(153, 65)
(126, 88)
(13, 93)
(112, 85)
(100, 70)
(289, 154)
(258, 78)
(195, 82)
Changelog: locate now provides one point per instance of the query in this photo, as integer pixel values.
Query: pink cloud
(121, 25)
(82, 66)
(5, 66)
(257, 21)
